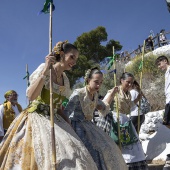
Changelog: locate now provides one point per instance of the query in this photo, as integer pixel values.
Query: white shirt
(162, 37)
(134, 108)
(167, 85)
(15, 108)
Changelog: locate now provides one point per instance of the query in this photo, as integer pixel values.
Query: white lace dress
(28, 145)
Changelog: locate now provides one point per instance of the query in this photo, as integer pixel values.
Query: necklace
(91, 94)
(126, 94)
(58, 76)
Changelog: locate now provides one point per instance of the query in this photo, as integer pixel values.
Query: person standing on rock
(163, 63)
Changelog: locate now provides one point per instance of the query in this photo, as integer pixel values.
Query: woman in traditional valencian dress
(80, 108)
(131, 147)
(27, 143)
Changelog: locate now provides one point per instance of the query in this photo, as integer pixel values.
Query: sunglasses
(14, 95)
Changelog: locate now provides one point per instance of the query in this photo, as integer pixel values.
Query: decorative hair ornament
(88, 72)
(58, 47)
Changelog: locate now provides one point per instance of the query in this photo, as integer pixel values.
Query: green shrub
(149, 66)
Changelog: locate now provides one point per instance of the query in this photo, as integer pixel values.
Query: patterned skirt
(102, 148)
(28, 145)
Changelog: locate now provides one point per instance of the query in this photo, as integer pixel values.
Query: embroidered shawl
(124, 101)
(88, 106)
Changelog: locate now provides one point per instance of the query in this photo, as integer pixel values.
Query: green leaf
(140, 65)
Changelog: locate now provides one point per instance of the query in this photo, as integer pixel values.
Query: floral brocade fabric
(28, 145)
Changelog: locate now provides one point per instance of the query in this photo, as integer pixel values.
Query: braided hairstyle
(62, 46)
(89, 73)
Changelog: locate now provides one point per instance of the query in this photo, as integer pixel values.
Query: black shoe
(164, 123)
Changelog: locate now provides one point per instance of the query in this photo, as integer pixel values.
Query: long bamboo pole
(117, 110)
(51, 97)
(141, 75)
(28, 83)
(27, 75)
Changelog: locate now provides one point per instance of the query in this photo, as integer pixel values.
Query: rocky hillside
(153, 84)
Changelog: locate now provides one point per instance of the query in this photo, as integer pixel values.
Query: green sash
(42, 104)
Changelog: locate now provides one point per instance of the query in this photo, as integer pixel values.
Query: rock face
(155, 137)
(164, 50)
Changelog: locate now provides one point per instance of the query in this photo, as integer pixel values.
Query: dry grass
(156, 162)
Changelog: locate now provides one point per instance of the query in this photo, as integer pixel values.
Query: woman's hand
(99, 107)
(49, 60)
(111, 94)
(114, 90)
(60, 112)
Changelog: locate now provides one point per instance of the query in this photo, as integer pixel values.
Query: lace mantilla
(88, 106)
(62, 90)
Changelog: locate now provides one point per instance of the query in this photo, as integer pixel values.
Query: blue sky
(24, 36)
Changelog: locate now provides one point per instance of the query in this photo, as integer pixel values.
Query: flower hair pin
(58, 47)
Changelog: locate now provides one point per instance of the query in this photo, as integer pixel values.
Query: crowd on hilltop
(160, 41)
(151, 43)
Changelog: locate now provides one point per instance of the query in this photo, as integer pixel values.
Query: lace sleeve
(105, 107)
(35, 75)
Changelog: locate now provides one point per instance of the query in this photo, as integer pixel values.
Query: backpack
(145, 106)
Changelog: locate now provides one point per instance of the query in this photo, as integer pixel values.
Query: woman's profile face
(70, 59)
(127, 83)
(95, 82)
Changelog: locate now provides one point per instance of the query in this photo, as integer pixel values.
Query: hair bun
(59, 47)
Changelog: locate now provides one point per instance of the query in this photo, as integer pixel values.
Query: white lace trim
(71, 154)
(63, 90)
(88, 106)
